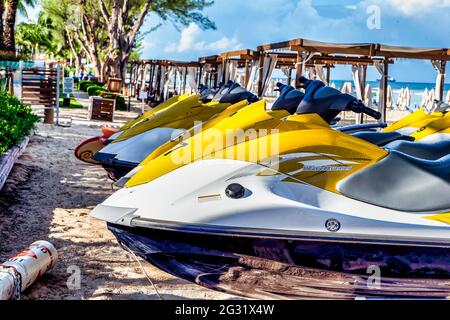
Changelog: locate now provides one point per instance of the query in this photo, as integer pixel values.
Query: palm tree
(10, 20)
(32, 37)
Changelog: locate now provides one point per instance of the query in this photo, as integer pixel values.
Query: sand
(49, 196)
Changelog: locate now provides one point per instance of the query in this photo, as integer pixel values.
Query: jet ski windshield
(237, 93)
(289, 98)
(224, 89)
(206, 93)
(328, 102)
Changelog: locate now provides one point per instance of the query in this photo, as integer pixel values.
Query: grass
(74, 104)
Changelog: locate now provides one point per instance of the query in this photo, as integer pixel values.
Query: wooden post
(246, 74)
(328, 74)
(298, 69)
(150, 82)
(385, 88)
(158, 82)
(440, 90)
(224, 69)
(216, 76)
(152, 77)
(175, 82)
(289, 77)
(184, 80)
(261, 76)
(363, 90)
(200, 74)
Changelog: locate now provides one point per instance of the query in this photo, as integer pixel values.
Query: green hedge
(121, 105)
(92, 90)
(83, 85)
(16, 121)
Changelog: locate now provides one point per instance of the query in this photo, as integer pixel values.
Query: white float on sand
(21, 271)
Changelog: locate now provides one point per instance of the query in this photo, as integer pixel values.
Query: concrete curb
(9, 158)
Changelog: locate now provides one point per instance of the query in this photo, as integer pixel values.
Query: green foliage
(120, 101)
(16, 121)
(98, 92)
(32, 37)
(121, 104)
(93, 89)
(83, 85)
(183, 12)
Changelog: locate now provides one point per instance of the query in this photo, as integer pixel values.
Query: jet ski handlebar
(358, 106)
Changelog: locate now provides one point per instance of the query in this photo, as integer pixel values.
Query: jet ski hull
(228, 261)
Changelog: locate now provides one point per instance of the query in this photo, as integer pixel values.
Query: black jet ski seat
(325, 101)
(206, 93)
(381, 138)
(428, 151)
(402, 182)
(237, 93)
(289, 98)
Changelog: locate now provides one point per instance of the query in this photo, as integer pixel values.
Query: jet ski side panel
(285, 268)
(413, 121)
(160, 107)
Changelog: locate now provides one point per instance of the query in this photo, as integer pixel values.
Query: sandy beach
(48, 196)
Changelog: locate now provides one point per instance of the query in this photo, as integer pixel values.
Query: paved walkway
(82, 97)
(80, 116)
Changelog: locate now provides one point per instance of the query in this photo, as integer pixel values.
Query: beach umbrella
(347, 88)
(368, 96)
(271, 88)
(431, 97)
(390, 98)
(424, 101)
(400, 98)
(447, 100)
(407, 100)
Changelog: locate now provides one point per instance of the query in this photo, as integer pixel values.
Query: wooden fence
(40, 89)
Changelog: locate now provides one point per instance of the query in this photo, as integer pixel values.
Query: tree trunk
(2, 28)
(123, 73)
(10, 22)
(74, 52)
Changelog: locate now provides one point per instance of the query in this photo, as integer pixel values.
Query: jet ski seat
(402, 182)
(428, 151)
(289, 99)
(381, 138)
(236, 94)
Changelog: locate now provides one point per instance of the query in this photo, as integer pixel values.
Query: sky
(249, 23)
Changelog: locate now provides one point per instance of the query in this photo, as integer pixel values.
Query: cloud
(189, 41)
(413, 7)
(247, 24)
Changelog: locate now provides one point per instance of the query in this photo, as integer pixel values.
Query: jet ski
(125, 150)
(89, 147)
(322, 200)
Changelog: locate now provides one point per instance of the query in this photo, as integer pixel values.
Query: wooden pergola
(362, 54)
(152, 72)
(216, 66)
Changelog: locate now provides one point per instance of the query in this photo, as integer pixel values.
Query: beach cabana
(160, 78)
(359, 56)
(315, 59)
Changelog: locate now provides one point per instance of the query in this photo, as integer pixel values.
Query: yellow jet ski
(89, 147)
(311, 196)
(126, 149)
